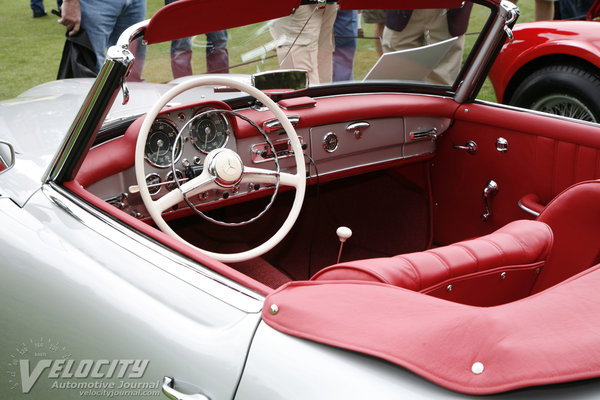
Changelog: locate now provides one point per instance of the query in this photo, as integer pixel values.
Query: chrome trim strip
(507, 14)
(132, 33)
(528, 210)
(90, 116)
(204, 279)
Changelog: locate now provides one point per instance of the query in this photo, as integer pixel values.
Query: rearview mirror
(286, 79)
(7, 156)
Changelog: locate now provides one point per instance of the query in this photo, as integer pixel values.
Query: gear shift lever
(343, 233)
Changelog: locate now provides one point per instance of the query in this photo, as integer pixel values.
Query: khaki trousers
(428, 27)
(313, 47)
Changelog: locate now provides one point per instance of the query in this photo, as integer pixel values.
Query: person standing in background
(544, 9)
(573, 9)
(345, 30)
(409, 29)
(305, 39)
(376, 17)
(217, 55)
(104, 21)
(37, 6)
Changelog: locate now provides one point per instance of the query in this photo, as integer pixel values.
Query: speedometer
(209, 130)
(160, 143)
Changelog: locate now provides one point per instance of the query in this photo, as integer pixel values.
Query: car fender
(536, 40)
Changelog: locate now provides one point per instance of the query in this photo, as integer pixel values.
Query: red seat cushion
(511, 257)
(574, 217)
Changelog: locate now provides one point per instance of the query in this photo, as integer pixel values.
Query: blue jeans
(37, 6)
(217, 56)
(104, 21)
(574, 9)
(345, 31)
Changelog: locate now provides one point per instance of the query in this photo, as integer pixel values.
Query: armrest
(531, 204)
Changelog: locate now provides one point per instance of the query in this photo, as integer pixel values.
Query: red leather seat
(493, 269)
(574, 216)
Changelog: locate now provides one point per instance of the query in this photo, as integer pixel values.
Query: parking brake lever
(490, 189)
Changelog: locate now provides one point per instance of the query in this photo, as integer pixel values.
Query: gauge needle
(159, 143)
(207, 132)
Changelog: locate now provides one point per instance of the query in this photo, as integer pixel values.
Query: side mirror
(7, 156)
(288, 80)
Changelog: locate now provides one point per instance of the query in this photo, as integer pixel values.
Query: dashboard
(335, 144)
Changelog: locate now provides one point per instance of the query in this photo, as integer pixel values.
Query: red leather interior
(548, 338)
(118, 155)
(545, 156)
(574, 216)
(532, 202)
(330, 110)
(512, 255)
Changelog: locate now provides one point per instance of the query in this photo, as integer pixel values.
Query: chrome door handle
(167, 389)
(470, 147)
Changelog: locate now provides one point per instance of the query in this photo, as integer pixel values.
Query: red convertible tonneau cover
(547, 338)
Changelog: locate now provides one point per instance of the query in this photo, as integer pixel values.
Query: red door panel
(545, 155)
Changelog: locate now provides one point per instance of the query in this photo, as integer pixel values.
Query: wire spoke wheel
(564, 105)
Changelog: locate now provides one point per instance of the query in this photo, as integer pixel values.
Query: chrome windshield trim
(91, 114)
(202, 278)
(132, 33)
(506, 16)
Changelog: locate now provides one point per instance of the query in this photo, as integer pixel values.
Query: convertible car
(255, 235)
(553, 67)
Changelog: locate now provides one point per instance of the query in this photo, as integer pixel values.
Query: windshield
(425, 46)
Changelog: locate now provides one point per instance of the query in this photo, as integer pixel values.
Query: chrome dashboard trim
(162, 257)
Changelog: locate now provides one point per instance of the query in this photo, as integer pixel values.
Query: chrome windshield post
(96, 105)
(121, 53)
(492, 44)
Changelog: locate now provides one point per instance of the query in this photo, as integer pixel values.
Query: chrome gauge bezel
(170, 151)
(170, 180)
(198, 117)
(154, 190)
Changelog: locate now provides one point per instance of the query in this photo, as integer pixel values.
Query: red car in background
(553, 67)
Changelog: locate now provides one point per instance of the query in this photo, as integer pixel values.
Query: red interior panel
(545, 156)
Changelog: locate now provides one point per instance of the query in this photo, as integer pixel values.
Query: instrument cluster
(183, 137)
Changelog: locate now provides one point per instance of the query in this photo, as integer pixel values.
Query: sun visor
(186, 18)
(396, 4)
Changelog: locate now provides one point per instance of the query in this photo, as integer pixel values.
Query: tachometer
(209, 130)
(159, 146)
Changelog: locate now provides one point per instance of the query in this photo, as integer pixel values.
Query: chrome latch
(356, 128)
(490, 189)
(425, 134)
(274, 125)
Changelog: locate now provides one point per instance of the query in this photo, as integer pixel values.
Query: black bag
(78, 57)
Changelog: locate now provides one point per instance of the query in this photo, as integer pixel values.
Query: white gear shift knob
(343, 233)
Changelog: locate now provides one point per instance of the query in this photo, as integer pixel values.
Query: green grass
(31, 48)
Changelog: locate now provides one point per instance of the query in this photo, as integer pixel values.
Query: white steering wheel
(223, 168)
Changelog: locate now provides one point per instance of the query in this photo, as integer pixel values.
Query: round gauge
(330, 142)
(210, 131)
(171, 185)
(160, 142)
(153, 182)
